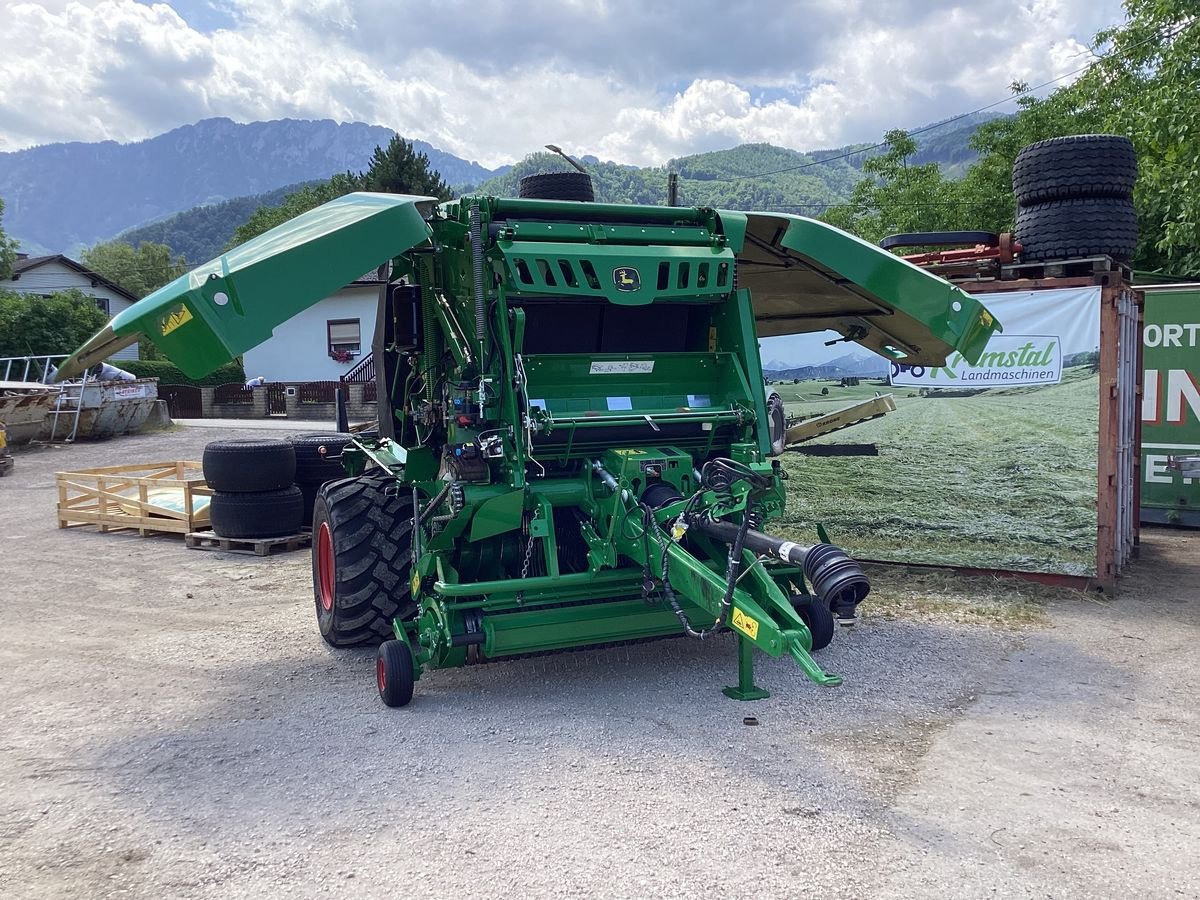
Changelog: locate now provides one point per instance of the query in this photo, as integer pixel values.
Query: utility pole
(672, 189)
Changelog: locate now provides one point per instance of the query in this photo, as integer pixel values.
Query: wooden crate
(122, 497)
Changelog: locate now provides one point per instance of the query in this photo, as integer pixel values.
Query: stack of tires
(318, 460)
(254, 495)
(1075, 198)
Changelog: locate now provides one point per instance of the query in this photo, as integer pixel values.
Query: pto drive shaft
(834, 577)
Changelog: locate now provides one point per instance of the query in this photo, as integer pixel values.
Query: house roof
(35, 262)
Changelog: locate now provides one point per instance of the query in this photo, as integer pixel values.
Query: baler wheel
(818, 617)
(361, 560)
(394, 673)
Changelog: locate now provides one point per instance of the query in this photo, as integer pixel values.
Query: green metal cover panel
(1171, 402)
(229, 305)
(807, 276)
(626, 274)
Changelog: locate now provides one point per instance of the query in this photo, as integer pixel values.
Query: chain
(528, 556)
(526, 563)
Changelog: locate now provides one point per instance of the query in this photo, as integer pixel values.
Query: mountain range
(192, 186)
(850, 365)
(59, 197)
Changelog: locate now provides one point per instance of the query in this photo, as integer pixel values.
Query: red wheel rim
(380, 675)
(325, 567)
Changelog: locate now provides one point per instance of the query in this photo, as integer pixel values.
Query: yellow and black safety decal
(745, 624)
(176, 319)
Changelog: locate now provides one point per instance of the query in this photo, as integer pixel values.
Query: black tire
(361, 560)
(318, 460)
(1067, 168)
(558, 186)
(261, 515)
(394, 673)
(818, 617)
(249, 466)
(777, 424)
(1071, 229)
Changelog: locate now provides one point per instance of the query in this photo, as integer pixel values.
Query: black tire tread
(372, 558)
(265, 514)
(1084, 165)
(558, 186)
(397, 688)
(1081, 227)
(249, 466)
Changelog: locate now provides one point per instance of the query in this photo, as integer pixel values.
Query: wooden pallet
(132, 497)
(1066, 268)
(207, 540)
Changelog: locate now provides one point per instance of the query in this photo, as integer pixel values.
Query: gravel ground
(173, 726)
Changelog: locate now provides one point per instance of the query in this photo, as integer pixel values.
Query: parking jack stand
(746, 688)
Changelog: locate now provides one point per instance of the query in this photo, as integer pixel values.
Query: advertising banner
(1043, 332)
(1171, 405)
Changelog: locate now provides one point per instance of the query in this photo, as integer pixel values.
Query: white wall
(299, 349)
(54, 276)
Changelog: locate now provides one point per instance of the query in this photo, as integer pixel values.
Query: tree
(35, 326)
(896, 196)
(8, 249)
(1142, 84)
(140, 270)
(399, 169)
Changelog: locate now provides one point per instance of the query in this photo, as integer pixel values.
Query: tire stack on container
(318, 460)
(254, 495)
(1075, 198)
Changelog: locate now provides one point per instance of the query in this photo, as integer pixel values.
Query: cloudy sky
(636, 81)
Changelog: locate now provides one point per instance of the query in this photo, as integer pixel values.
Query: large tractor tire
(264, 514)
(1067, 168)
(249, 466)
(558, 186)
(1073, 229)
(361, 559)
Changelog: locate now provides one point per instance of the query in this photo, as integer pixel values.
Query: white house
(306, 347)
(46, 275)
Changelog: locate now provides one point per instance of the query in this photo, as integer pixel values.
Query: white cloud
(489, 80)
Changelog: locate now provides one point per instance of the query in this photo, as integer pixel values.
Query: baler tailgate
(806, 276)
(225, 307)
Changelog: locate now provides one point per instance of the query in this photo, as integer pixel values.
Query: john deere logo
(626, 278)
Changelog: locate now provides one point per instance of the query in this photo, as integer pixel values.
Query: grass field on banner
(1005, 478)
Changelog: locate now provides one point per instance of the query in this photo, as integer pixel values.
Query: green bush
(168, 373)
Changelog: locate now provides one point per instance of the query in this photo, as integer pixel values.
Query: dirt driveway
(172, 726)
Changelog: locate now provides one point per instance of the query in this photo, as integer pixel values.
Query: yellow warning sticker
(745, 624)
(180, 317)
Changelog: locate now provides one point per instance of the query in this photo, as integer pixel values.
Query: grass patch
(1005, 479)
(901, 593)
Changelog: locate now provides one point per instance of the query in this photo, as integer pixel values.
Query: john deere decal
(626, 278)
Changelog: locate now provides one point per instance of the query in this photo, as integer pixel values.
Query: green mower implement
(574, 445)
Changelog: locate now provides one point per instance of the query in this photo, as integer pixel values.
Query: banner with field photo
(990, 465)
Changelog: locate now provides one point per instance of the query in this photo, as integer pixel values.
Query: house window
(102, 304)
(344, 336)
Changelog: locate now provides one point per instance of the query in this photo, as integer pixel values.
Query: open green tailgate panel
(223, 308)
(806, 276)
(803, 275)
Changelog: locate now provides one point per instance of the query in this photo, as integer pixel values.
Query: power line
(1014, 96)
